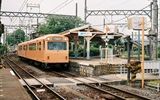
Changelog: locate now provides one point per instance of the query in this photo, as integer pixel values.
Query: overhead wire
(125, 16)
(20, 9)
(130, 15)
(122, 18)
(23, 5)
(64, 6)
(58, 6)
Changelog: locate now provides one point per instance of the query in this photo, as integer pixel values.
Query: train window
(32, 46)
(43, 45)
(57, 46)
(24, 47)
(20, 48)
(39, 46)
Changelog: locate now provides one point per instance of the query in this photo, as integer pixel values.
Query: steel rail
(27, 85)
(58, 95)
(60, 74)
(98, 89)
(71, 74)
(108, 92)
(133, 94)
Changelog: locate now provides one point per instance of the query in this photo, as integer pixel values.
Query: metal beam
(15, 26)
(117, 12)
(30, 15)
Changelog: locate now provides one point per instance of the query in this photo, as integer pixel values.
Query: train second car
(47, 50)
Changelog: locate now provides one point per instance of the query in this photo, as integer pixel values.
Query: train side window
(24, 47)
(32, 46)
(20, 48)
(39, 46)
(43, 45)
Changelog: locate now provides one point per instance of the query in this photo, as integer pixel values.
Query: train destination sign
(57, 38)
(84, 34)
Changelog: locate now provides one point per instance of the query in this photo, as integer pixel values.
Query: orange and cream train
(47, 50)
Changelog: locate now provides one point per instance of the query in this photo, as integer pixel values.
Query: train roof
(40, 38)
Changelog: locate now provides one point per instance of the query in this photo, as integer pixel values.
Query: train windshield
(57, 46)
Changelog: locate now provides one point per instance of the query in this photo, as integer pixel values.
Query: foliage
(94, 51)
(158, 52)
(16, 37)
(3, 48)
(59, 24)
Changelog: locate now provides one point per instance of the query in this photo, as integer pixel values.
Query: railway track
(48, 93)
(104, 89)
(64, 74)
(120, 93)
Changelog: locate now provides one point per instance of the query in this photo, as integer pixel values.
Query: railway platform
(112, 66)
(97, 66)
(10, 87)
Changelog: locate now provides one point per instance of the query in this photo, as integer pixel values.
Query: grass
(154, 83)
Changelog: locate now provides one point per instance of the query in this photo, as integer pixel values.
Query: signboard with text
(84, 34)
(136, 23)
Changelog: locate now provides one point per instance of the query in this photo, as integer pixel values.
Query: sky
(67, 7)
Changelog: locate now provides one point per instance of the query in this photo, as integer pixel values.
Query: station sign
(135, 23)
(84, 34)
(110, 36)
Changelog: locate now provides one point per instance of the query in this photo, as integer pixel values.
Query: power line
(145, 7)
(23, 5)
(20, 9)
(102, 4)
(130, 15)
(65, 5)
(59, 5)
(121, 18)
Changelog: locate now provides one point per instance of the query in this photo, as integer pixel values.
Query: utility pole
(85, 11)
(104, 23)
(139, 45)
(142, 59)
(150, 39)
(29, 8)
(154, 29)
(76, 36)
(76, 9)
(129, 58)
(85, 19)
(0, 17)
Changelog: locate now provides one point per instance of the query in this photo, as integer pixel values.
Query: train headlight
(48, 38)
(65, 39)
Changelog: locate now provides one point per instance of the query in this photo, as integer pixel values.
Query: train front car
(57, 52)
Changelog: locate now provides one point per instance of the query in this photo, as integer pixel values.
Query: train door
(39, 50)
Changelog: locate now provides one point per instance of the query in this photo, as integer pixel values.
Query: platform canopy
(85, 28)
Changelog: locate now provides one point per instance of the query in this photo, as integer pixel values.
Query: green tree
(19, 35)
(16, 37)
(158, 52)
(59, 24)
(3, 48)
(11, 40)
